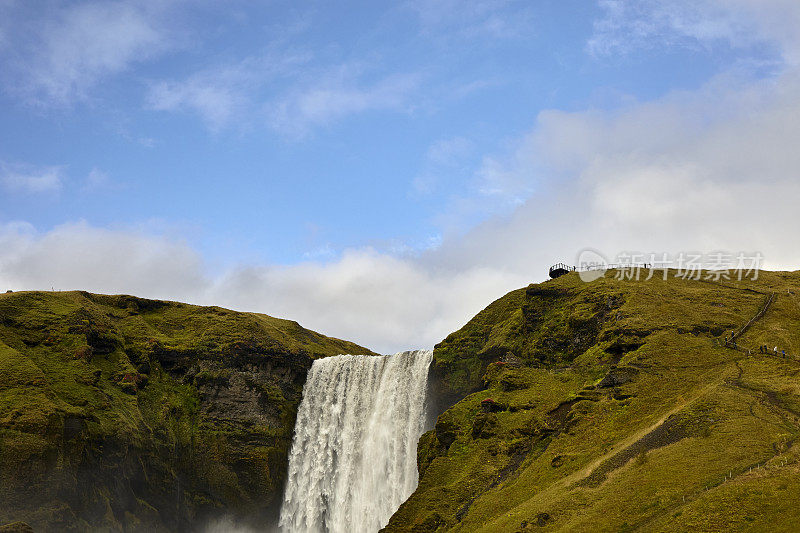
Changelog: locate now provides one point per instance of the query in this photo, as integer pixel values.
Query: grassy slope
(615, 411)
(123, 413)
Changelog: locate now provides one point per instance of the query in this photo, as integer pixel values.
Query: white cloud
(320, 253)
(336, 95)
(494, 185)
(634, 24)
(481, 19)
(450, 152)
(246, 92)
(63, 52)
(29, 179)
(444, 158)
(97, 179)
(383, 302)
(710, 169)
(380, 301)
(79, 256)
(704, 170)
(223, 94)
(217, 98)
(510, 179)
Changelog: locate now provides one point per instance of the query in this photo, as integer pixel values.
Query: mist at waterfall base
(353, 459)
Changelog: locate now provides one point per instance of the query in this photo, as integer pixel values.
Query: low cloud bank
(380, 301)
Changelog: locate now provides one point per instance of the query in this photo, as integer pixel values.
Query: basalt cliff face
(125, 414)
(616, 405)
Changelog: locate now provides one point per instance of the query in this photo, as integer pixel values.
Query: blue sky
(283, 132)
(261, 147)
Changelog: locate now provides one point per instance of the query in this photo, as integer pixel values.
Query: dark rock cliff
(125, 414)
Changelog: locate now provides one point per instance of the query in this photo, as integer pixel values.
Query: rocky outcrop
(540, 325)
(611, 406)
(124, 414)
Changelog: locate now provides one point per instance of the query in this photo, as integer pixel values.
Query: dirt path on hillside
(636, 437)
(572, 479)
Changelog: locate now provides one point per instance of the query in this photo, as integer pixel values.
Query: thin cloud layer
(225, 94)
(630, 25)
(246, 93)
(479, 19)
(17, 178)
(335, 96)
(64, 51)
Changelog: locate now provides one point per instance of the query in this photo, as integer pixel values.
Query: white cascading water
(354, 454)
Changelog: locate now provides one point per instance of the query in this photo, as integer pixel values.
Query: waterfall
(354, 455)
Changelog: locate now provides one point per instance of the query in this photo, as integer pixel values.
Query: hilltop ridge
(616, 406)
(122, 413)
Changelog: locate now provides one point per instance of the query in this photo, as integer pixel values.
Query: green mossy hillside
(120, 413)
(613, 406)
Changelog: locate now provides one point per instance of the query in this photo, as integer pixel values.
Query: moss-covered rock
(120, 413)
(546, 324)
(612, 406)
